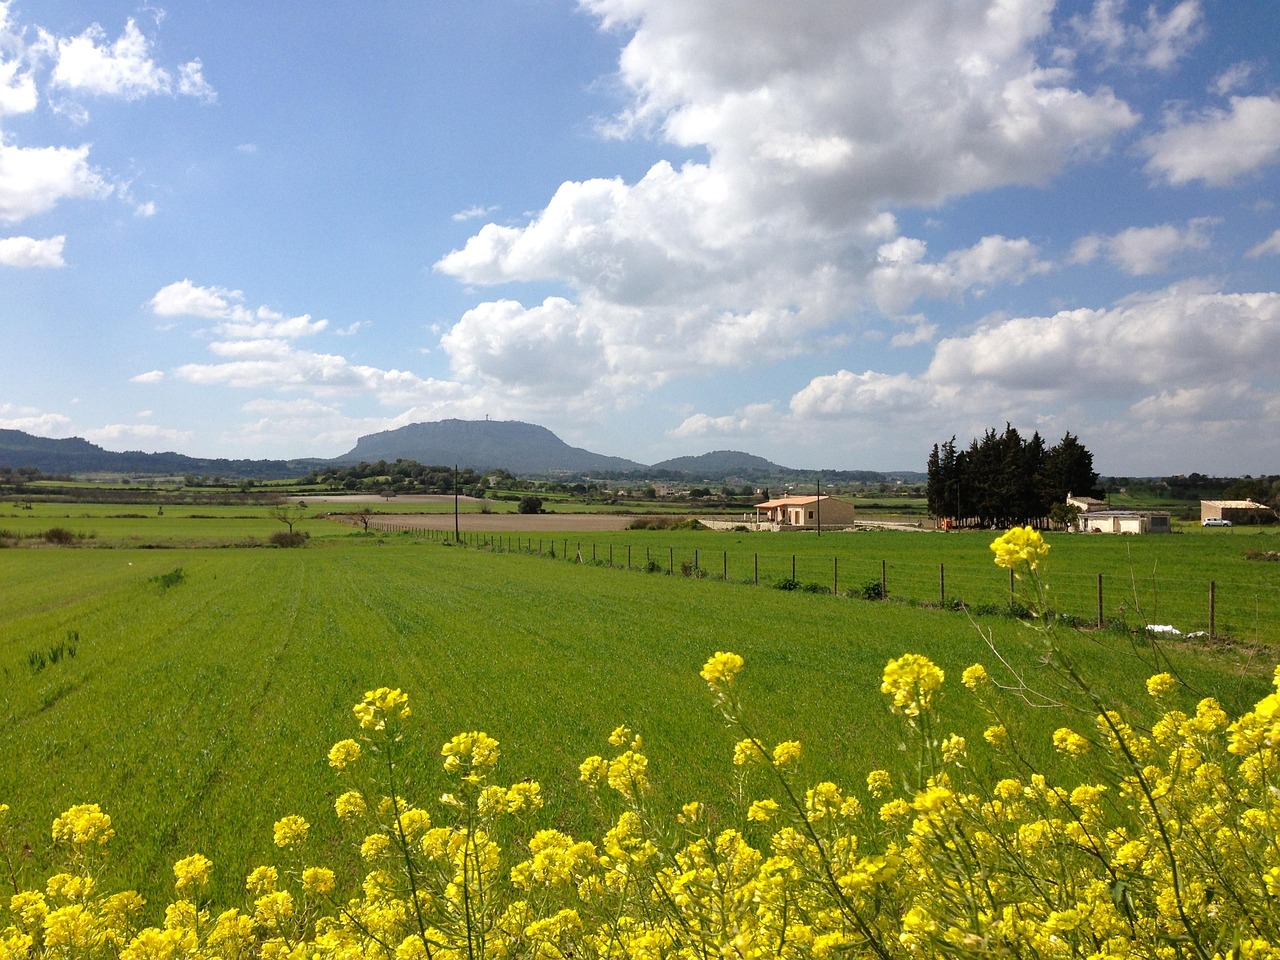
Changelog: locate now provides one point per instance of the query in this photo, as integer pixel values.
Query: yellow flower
(344, 752)
(620, 736)
(763, 811)
(879, 782)
(475, 750)
(953, 748)
(193, 871)
(1066, 740)
(349, 804)
(975, 676)
(721, 669)
(290, 830)
(745, 752)
(318, 880)
(378, 705)
(787, 752)
(1160, 684)
(996, 735)
(374, 846)
(1021, 549)
(83, 824)
(911, 680)
(261, 880)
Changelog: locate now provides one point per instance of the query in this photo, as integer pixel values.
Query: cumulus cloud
(186, 299)
(32, 420)
(122, 68)
(750, 420)
(1145, 250)
(1216, 146)
(777, 237)
(902, 275)
(1173, 367)
(29, 252)
(34, 180)
(151, 376)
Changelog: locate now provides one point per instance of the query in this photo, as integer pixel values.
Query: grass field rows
(207, 684)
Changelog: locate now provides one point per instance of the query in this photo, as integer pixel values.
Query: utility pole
(817, 505)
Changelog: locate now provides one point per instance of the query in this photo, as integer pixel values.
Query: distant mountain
(520, 448)
(524, 449)
(77, 455)
(720, 464)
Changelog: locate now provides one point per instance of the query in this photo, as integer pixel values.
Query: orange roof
(791, 501)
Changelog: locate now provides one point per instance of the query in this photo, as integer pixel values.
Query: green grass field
(199, 705)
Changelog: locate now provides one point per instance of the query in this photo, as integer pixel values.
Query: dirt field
(493, 522)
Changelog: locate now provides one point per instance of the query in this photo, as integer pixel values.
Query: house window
(810, 514)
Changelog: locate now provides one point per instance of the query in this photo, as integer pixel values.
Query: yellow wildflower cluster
(912, 681)
(1176, 854)
(1021, 550)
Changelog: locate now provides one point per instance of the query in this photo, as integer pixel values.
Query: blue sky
(827, 233)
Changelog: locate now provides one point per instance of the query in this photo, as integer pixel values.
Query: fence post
(793, 566)
(628, 556)
(756, 556)
(671, 560)
(695, 559)
(1213, 607)
(942, 583)
(725, 573)
(884, 578)
(1099, 600)
(1013, 593)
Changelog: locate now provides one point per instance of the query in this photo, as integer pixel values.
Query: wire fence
(1213, 609)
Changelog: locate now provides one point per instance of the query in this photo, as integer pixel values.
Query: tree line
(1002, 479)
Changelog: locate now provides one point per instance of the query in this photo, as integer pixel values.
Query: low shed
(1124, 521)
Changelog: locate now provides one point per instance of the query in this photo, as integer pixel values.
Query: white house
(802, 512)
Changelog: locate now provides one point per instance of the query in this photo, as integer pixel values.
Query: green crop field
(196, 691)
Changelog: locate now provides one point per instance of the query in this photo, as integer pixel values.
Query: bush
(529, 505)
(787, 583)
(284, 538)
(871, 590)
(60, 536)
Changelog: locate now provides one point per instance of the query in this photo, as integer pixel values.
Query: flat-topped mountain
(519, 448)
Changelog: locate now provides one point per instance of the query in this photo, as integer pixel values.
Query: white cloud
(865, 395)
(1271, 245)
(1216, 146)
(1145, 250)
(34, 179)
(146, 437)
(1158, 43)
(1233, 78)
(151, 376)
(902, 276)
(473, 213)
(1177, 353)
(32, 420)
(121, 68)
(759, 251)
(29, 252)
(145, 210)
(185, 299)
(751, 420)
